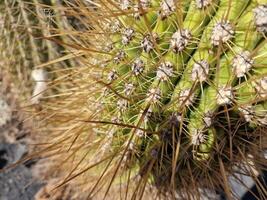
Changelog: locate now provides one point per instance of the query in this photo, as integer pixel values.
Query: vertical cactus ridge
(202, 60)
(161, 94)
(230, 70)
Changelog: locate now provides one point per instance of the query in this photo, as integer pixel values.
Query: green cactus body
(169, 62)
(163, 77)
(162, 69)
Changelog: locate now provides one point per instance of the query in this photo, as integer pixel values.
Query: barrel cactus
(168, 94)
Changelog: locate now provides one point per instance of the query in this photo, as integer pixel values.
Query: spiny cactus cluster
(168, 93)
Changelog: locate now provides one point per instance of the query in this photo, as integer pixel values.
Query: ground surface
(16, 183)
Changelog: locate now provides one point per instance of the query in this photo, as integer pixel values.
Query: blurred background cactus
(24, 27)
(168, 96)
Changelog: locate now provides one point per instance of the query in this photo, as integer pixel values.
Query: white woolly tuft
(140, 133)
(200, 71)
(116, 119)
(165, 71)
(144, 4)
(225, 95)
(122, 104)
(128, 89)
(261, 87)
(147, 44)
(247, 113)
(242, 63)
(125, 4)
(186, 98)
(208, 119)
(203, 3)
(148, 114)
(153, 95)
(112, 76)
(198, 137)
(260, 14)
(167, 7)
(222, 32)
(119, 56)
(180, 40)
(127, 36)
(138, 66)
